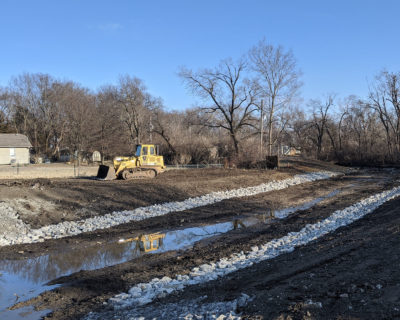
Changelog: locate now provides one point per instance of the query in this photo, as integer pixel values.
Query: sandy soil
(352, 272)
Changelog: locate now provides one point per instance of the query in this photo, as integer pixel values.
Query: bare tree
(59, 100)
(279, 78)
(5, 109)
(320, 120)
(80, 112)
(36, 109)
(107, 132)
(336, 129)
(135, 103)
(165, 125)
(45, 111)
(384, 99)
(298, 126)
(186, 141)
(231, 98)
(25, 102)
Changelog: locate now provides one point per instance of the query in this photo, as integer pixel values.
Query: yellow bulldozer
(146, 163)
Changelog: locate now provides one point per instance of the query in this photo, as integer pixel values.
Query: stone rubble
(185, 309)
(144, 293)
(22, 233)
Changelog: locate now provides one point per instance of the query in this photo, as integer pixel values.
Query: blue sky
(339, 45)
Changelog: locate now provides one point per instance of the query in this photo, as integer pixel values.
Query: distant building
(14, 148)
(96, 156)
(290, 151)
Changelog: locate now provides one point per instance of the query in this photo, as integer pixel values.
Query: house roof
(13, 140)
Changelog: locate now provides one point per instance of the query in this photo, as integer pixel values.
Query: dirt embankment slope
(41, 202)
(343, 275)
(86, 291)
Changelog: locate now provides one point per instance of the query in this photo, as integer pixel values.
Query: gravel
(71, 228)
(145, 293)
(184, 309)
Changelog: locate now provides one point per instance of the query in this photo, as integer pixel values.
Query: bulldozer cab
(147, 153)
(146, 149)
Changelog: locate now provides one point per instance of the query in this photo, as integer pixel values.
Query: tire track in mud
(97, 286)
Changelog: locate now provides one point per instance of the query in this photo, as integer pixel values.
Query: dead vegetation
(248, 109)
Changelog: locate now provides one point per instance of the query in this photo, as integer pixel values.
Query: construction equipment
(147, 242)
(146, 163)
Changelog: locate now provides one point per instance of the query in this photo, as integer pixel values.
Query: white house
(14, 148)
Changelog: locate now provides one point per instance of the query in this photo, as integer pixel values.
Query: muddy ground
(49, 201)
(353, 272)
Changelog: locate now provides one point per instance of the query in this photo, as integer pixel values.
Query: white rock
(15, 226)
(271, 249)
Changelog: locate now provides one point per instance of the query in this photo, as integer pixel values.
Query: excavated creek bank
(88, 291)
(24, 279)
(32, 273)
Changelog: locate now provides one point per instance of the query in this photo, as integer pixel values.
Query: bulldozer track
(138, 174)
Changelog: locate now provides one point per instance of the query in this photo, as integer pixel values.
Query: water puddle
(25, 313)
(283, 213)
(21, 280)
(14, 288)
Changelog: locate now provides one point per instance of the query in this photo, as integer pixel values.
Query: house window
(12, 152)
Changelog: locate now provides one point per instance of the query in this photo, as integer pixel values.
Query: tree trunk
(270, 122)
(235, 143)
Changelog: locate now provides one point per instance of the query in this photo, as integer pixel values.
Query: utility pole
(151, 130)
(261, 127)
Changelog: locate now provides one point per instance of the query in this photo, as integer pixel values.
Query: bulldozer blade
(106, 173)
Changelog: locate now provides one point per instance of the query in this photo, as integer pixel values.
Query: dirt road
(351, 273)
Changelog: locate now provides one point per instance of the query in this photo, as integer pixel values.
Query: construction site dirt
(346, 274)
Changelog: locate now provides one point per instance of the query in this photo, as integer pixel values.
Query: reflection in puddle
(15, 288)
(23, 279)
(147, 242)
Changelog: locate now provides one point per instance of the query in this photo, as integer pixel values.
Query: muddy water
(23, 279)
(15, 288)
(26, 313)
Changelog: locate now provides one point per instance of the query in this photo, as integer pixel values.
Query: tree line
(246, 109)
